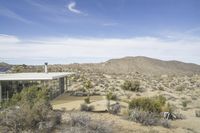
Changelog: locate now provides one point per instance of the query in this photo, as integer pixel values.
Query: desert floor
(71, 103)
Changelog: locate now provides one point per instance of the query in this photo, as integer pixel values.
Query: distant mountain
(143, 65)
(4, 67)
(126, 65)
(3, 64)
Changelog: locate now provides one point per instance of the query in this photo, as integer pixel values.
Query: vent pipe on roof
(45, 67)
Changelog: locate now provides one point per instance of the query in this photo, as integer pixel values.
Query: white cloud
(72, 7)
(8, 39)
(62, 48)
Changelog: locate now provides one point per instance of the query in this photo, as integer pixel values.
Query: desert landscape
(99, 66)
(123, 81)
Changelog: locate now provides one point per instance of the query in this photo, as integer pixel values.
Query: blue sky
(66, 31)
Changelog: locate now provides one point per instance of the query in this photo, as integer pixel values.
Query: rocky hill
(4, 67)
(126, 65)
(142, 65)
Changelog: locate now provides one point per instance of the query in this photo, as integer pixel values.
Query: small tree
(87, 86)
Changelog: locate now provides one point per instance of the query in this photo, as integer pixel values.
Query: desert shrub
(179, 115)
(145, 118)
(128, 94)
(32, 108)
(148, 118)
(194, 97)
(79, 119)
(161, 88)
(180, 88)
(168, 108)
(28, 95)
(153, 104)
(87, 86)
(116, 108)
(111, 96)
(87, 100)
(86, 124)
(85, 107)
(197, 113)
(132, 86)
(81, 89)
(184, 104)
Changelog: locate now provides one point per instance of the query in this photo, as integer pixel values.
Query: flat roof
(33, 76)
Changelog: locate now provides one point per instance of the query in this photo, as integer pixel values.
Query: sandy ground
(189, 125)
(71, 102)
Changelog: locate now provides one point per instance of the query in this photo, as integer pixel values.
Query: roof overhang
(33, 76)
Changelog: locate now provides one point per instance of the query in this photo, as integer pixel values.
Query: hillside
(142, 65)
(3, 64)
(126, 65)
(4, 67)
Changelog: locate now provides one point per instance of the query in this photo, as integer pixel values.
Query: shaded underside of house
(11, 83)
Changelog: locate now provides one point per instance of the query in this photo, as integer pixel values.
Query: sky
(79, 31)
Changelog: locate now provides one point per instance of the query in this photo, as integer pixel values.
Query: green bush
(26, 110)
(28, 95)
(87, 100)
(88, 86)
(132, 86)
(153, 104)
(168, 108)
(111, 96)
(184, 103)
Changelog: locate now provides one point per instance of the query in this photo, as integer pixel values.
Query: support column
(66, 83)
(61, 85)
(0, 92)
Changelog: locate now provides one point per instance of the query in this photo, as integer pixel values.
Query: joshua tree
(87, 86)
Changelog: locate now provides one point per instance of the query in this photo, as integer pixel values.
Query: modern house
(11, 83)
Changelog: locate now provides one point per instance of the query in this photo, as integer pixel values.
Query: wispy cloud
(41, 5)
(54, 13)
(62, 47)
(10, 14)
(72, 7)
(110, 24)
